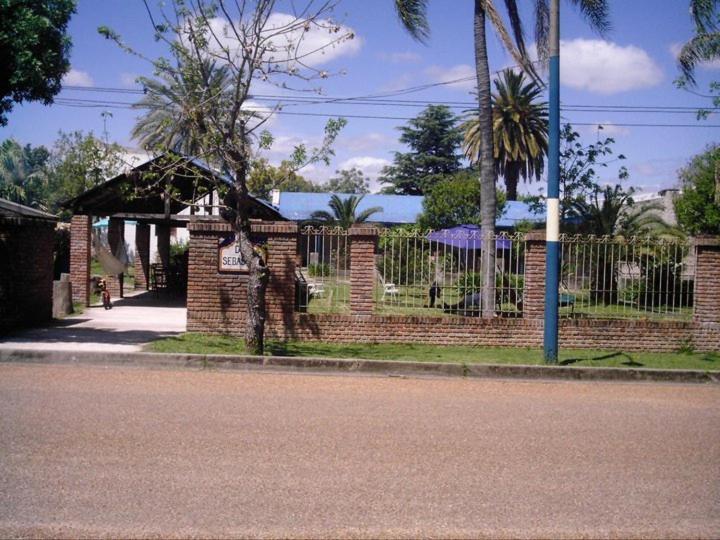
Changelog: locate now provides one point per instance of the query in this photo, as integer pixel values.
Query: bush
(320, 270)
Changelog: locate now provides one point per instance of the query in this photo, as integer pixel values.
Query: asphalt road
(90, 451)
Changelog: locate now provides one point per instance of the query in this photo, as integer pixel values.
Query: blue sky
(631, 66)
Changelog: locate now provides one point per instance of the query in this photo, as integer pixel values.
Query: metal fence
(323, 273)
(615, 277)
(423, 272)
(435, 273)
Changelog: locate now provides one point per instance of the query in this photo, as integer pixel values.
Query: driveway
(133, 321)
(127, 452)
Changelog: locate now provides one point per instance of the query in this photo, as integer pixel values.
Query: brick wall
(116, 238)
(80, 259)
(363, 240)
(26, 272)
(217, 303)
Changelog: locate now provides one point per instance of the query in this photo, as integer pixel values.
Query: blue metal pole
(552, 261)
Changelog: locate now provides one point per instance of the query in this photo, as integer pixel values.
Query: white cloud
(128, 79)
(365, 142)
(314, 42)
(398, 83)
(675, 51)
(400, 57)
(369, 165)
(76, 77)
(604, 67)
(463, 76)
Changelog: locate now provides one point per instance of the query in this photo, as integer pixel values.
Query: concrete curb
(382, 367)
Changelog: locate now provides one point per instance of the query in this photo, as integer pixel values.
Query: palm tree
(520, 131)
(705, 45)
(18, 182)
(344, 212)
(412, 14)
(173, 103)
(611, 211)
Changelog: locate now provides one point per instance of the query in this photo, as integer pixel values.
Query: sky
(632, 65)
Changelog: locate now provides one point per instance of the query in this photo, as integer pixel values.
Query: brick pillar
(116, 237)
(534, 288)
(363, 241)
(162, 231)
(707, 280)
(80, 259)
(142, 256)
(282, 244)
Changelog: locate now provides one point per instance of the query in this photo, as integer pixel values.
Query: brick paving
(90, 451)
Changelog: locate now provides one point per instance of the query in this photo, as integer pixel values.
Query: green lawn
(202, 344)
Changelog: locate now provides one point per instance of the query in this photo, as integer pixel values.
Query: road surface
(92, 451)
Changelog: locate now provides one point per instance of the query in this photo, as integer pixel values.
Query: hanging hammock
(111, 264)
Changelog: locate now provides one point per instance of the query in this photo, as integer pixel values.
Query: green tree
(172, 104)
(256, 43)
(454, 201)
(344, 212)
(412, 14)
(434, 139)
(79, 162)
(698, 206)
(34, 50)
(23, 174)
(264, 178)
(520, 131)
(579, 164)
(348, 181)
(611, 211)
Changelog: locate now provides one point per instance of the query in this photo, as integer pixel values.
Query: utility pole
(552, 236)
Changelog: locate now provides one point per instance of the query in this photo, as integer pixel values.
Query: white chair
(389, 289)
(316, 289)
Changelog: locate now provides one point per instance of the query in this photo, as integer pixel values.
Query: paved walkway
(94, 451)
(133, 321)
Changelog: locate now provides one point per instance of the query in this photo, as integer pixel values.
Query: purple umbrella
(465, 237)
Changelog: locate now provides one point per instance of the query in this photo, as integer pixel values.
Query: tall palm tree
(344, 212)
(412, 14)
(173, 103)
(520, 131)
(705, 45)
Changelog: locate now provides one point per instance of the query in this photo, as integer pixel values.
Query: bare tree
(252, 43)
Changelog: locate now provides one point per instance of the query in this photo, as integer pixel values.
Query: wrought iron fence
(626, 277)
(434, 273)
(423, 272)
(323, 272)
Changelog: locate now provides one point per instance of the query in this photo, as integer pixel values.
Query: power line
(379, 101)
(126, 105)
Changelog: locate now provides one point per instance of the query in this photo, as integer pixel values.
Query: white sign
(229, 257)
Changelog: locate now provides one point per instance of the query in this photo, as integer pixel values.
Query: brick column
(142, 256)
(363, 241)
(707, 280)
(282, 244)
(162, 231)
(80, 259)
(116, 237)
(534, 288)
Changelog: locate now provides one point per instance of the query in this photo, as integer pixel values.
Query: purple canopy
(465, 237)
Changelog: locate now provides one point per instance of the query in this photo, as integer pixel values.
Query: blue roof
(396, 209)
